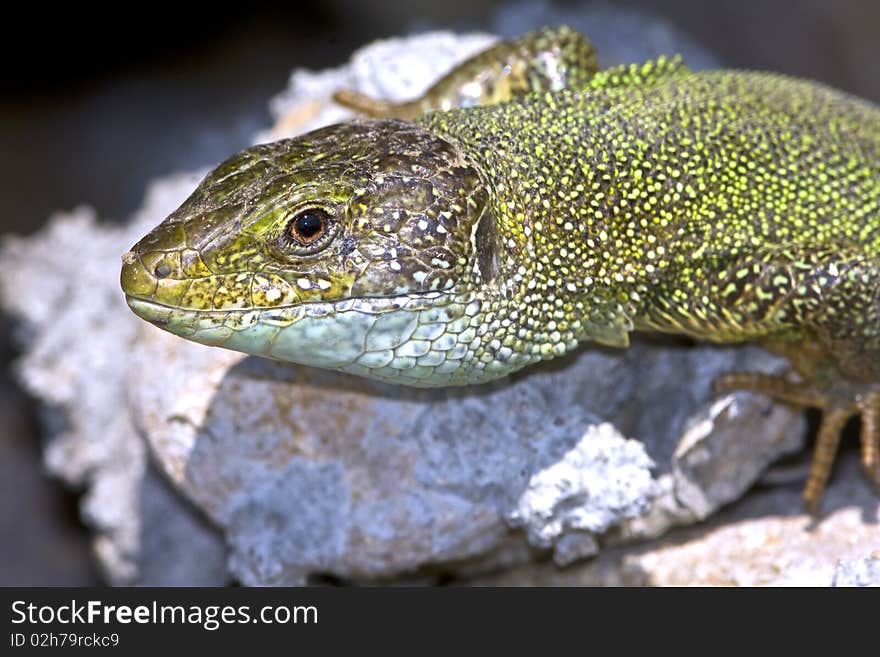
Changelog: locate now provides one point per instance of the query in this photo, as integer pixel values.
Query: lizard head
(361, 221)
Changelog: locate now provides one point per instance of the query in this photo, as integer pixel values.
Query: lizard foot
(837, 407)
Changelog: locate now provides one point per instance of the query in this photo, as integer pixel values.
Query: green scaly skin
(462, 246)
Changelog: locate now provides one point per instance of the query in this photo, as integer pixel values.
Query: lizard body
(465, 244)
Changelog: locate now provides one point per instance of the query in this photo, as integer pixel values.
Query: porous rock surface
(763, 540)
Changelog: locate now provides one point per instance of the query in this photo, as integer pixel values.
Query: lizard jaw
(418, 340)
(316, 334)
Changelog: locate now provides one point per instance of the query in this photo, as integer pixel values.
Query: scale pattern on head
(372, 208)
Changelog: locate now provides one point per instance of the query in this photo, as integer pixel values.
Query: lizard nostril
(163, 269)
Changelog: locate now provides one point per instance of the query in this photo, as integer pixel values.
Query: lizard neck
(546, 188)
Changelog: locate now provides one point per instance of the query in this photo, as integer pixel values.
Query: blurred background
(94, 106)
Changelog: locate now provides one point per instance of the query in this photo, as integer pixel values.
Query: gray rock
(735, 429)
(584, 492)
(765, 539)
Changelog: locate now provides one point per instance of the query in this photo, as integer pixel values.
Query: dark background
(93, 106)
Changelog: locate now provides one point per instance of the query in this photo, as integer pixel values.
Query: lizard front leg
(818, 306)
(836, 410)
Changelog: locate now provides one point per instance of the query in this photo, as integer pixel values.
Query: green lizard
(558, 204)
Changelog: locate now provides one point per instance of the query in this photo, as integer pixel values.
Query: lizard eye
(309, 231)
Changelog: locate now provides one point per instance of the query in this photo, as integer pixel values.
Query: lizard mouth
(155, 313)
(189, 322)
(292, 333)
(336, 335)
